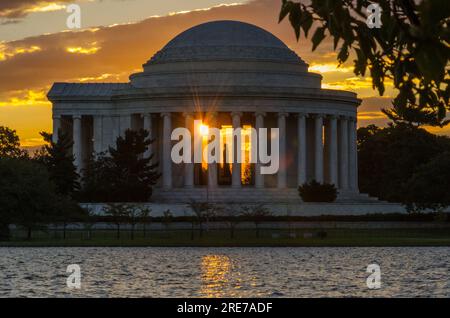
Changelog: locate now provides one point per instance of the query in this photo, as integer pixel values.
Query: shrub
(317, 192)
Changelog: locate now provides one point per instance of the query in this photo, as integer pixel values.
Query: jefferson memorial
(226, 74)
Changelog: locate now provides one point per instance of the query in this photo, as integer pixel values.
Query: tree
(317, 192)
(145, 217)
(428, 187)
(68, 211)
(96, 179)
(411, 49)
(27, 196)
(167, 218)
(230, 215)
(10, 144)
(203, 211)
(118, 213)
(388, 157)
(123, 174)
(257, 213)
(59, 161)
(88, 221)
(133, 217)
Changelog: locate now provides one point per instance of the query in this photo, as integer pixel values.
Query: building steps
(246, 195)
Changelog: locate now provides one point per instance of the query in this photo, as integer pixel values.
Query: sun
(204, 130)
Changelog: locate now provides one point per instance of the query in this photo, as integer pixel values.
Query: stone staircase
(246, 195)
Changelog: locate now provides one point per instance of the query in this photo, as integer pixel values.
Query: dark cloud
(14, 9)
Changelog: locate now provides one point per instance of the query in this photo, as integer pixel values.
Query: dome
(225, 40)
(226, 33)
(225, 54)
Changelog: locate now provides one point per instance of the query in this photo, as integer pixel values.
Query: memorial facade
(226, 74)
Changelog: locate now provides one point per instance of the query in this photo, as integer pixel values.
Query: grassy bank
(217, 238)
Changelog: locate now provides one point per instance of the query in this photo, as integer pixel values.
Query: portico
(227, 74)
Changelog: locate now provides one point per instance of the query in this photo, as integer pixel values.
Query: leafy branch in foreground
(411, 49)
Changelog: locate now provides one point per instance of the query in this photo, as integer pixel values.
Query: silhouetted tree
(133, 217)
(202, 213)
(429, 186)
(231, 217)
(10, 144)
(59, 160)
(256, 213)
(388, 157)
(410, 49)
(122, 174)
(118, 213)
(28, 197)
(317, 192)
(145, 218)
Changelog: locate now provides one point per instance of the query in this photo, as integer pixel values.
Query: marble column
(343, 153)
(115, 129)
(148, 127)
(212, 167)
(353, 155)
(166, 145)
(259, 123)
(301, 139)
(282, 173)
(333, 151)
(56, 128)
(318, 148)
(236, 170)
(98, 133)
(125, 124)
(189, 167)
(77, 146)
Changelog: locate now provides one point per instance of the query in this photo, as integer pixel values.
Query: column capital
(239, 114)
(259, 113)
(188, 114)
(352, 119)
(282, 114)
(301, 115)
(318, 115)
(332, 116)
(344, 117)
(166, 114)
(76, 116)
(56, 117)
(211, 118)
(143, 115)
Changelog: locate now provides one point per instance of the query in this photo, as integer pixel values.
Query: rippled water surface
(225, 272)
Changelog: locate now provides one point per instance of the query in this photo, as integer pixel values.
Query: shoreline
(312, 237)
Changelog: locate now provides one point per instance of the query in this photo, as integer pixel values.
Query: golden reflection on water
(216, 275)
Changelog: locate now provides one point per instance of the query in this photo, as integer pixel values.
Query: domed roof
(225, 54)
(226, 33)
(225, 40)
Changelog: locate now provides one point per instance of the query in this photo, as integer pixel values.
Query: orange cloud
(7, 52)
(25, 97)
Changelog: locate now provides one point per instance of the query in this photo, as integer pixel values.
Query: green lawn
(267, 237)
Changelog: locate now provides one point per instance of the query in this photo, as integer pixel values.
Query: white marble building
(225, 73)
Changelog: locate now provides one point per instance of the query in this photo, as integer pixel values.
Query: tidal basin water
(225, 272)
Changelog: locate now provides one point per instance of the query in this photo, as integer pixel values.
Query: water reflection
(225, 272)
(216, 273)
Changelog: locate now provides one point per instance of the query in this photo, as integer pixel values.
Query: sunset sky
(117, 37)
